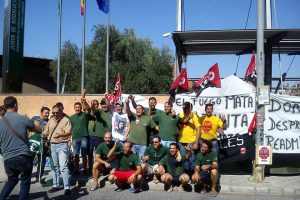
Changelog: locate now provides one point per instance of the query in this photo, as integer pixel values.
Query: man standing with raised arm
(79, 122)
(211, 125)
(168, 125)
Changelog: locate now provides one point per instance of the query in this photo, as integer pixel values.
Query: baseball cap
(119, 103)
(103, 101)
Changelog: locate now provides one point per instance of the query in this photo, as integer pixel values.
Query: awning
(237, 42)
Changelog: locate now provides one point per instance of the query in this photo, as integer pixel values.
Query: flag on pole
(103, 5)
(82, 8)
(252, 126)
(211, 79)
(250, 74)
(180, 84)
(117, 93)
(59, 6)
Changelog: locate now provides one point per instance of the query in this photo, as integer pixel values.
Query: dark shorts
(175, 180)
(205, 177)
(114, 165)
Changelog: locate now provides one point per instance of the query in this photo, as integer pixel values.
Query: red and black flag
(180, 85)
(117, 93)
(211, 79)
(252, 126)
(251, 71)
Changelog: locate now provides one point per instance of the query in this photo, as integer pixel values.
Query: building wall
(31, 104)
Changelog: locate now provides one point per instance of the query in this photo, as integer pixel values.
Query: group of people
(112, 140)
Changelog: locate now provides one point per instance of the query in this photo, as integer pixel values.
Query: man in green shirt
(171, 168)
(79, 132)
(100, 123)
(168, 125)
(130, 170)
(102, 163)
(138, 129)
(151, 111)
(103, 119)
(206, 169)
(153, 154)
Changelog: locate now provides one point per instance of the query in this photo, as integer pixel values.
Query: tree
(70, 63)
(143, 68)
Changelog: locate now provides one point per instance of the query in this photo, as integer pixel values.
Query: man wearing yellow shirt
(211, 125)
(189, 134)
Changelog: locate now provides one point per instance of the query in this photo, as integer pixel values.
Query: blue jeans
(60, 157)
(80, 145)
(139, 149)
(20, 165)
(94, 141)
(189, 164)
(166, 143)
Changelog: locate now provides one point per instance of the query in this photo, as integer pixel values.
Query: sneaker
(67, 192)
(41, 181)
(181, 189)
(155, 180)
(134, 190)
(170, 189)
(119, 189)
(213, 193)
(54, 189)
(94, 187)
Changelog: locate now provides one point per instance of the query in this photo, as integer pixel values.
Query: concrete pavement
(230, 184)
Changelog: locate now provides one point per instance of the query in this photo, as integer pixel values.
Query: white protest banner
(235, 100)
(283, 125)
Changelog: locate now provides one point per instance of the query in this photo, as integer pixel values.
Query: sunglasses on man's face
(155, 142)
(55, 113)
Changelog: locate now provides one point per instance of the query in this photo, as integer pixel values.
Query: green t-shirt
(154, 113)
(92, 125)
(35, 143)
(103, 122)
(79, 125)
(207, 159)
(172, 166)
(127, 162)
(103, 149)
(167, 126)
(138, 129)
(155, 155)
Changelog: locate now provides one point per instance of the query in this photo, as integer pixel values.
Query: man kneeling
(206, 169)
(102, 163)
(153, 154)
(171, 168)
(130, 170)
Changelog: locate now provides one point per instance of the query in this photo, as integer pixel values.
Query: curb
(226, 189)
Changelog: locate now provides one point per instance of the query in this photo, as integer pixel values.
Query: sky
(151, 19)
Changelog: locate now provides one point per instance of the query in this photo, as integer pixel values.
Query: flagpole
(59, 46)
(107, 48)
(83, 46)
